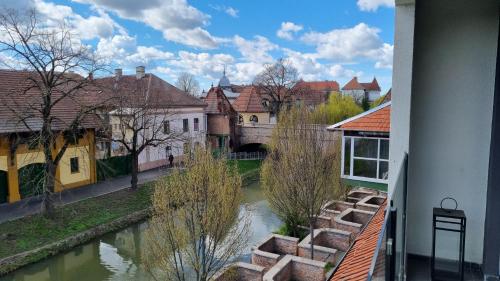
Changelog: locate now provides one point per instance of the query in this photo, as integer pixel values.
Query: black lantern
(448, 220)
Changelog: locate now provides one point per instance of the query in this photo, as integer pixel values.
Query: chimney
(118, 73)
(140, 71)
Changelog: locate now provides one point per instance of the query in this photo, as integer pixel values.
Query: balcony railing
(389, 259)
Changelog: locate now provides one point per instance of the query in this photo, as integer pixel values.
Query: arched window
(254, 119)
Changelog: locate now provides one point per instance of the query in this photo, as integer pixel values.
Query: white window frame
(352, 158)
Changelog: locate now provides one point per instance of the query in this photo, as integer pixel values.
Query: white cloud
(373, 5)
(176, 19)
(311, 69)
(288, 29)
(384, 56)
(123, 51)
(359, 42)
(256, 50)
(232, 12)
(202, 64)
(228, 10)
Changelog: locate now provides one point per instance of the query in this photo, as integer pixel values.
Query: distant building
(317, 92)
(359, 90)
(250, 108)
(180, 113)
(231, 91)
(221, 121)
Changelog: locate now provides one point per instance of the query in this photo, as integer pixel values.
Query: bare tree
(194, 231)
(50, 58)
(276, 84)
(300, 174)
(138, 118)
(188, 83)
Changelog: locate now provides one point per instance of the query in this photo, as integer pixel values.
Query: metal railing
(246, 155)
(389, 259)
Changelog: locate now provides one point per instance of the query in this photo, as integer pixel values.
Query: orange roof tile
(376, 121)
(357, 261)
(249, 101)
(355, 85)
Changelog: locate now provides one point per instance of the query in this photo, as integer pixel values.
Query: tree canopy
(338, 108)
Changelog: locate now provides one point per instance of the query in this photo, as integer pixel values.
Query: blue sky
(325, 40)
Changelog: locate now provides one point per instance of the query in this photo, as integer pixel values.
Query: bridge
(261, 133)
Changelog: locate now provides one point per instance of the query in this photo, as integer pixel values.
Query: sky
(324, 39)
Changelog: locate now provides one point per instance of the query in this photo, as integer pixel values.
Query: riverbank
(33, 238)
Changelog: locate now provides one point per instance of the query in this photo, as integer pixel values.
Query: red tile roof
(317, 91)
(160, 92)
(249, 101)
(388, 96)
(357, 261)
(355, 85)
(20, 103)
(217, 102)
(374, 120)
(324, 86)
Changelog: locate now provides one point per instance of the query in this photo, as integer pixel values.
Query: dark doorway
(4, 187)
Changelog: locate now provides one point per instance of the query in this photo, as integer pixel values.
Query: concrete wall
(451, 110)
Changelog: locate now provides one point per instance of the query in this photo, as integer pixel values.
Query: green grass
(34, 231)
(245, 166)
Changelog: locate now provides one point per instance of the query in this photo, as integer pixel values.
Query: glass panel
(383, 170)
(365, 168)
(367, 148)
(347, 156)
(384, 149)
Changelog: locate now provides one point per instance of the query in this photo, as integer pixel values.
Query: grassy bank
(248, 169)
(35, 231)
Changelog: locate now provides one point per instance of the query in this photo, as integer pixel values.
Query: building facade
(176, 119)
(22, 160)
(359, 91)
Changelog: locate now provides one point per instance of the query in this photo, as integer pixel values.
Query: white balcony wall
(449, 109)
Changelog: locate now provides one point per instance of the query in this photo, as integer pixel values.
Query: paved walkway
(33, 205)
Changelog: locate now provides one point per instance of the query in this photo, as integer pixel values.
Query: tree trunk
(48, 208)
(311, 232)
(135, 170)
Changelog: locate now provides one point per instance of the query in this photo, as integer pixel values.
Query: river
(116, 255)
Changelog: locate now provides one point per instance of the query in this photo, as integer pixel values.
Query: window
(75, 167)
(196, 124)
(254, 118)
(185, 125)
(166, 127)
(365, 158)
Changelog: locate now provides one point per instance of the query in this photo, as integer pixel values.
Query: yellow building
(21, 167)
(21, 161)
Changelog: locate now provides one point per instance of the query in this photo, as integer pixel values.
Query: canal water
(117, 255)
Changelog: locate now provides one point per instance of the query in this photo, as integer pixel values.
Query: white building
(359, 91)
(166, 110)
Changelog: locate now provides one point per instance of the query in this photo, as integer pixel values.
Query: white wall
(451, 111)
(152, 154)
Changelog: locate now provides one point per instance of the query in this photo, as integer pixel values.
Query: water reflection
(116, 256)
